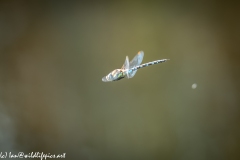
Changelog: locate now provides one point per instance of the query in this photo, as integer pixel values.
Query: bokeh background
(53, 55)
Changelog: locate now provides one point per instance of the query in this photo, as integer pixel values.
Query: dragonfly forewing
(126, 63)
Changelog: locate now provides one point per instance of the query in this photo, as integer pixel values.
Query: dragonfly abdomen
(148, 64)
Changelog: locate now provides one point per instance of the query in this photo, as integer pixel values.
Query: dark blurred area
(53, 55)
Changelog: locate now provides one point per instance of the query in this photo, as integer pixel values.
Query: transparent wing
(137, 60)
(126, 64)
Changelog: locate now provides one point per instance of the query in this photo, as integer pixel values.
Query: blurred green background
(53, 55)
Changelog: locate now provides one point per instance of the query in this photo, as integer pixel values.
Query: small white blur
(194, 85)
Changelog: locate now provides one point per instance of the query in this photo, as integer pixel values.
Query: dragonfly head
(115, 75)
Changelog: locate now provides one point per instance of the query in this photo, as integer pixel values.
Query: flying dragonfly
(129, 69)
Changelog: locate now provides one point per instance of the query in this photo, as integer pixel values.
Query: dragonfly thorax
(115, 75)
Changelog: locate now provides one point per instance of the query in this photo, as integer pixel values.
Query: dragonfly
(129, 69)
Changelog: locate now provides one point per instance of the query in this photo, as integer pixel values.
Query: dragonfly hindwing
(137, 60)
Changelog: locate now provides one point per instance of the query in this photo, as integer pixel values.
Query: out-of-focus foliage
(53, 55)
